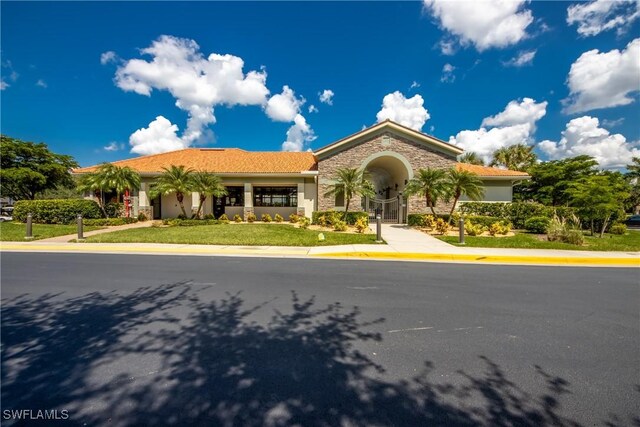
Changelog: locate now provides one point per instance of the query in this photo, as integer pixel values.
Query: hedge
(418, 220)
(109, 221)
(352, 217)
(56, 211)
(517, 213)
(191, 222)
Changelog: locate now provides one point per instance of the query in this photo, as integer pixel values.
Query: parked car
(6, 214)
(633, 221)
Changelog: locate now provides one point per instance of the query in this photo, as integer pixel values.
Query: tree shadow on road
(218, 367)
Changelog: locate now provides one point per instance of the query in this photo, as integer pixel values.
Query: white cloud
(313, 109)
(584, 135)
(414, 85)
(613, 123)
(326, 96)
(284, 107)
(198, 83)
(298, 134)
(406, 111)
(3, 85)
(516, 124)
(602, 80)
(113, 146)
(447, 74)
(526, 111)
(523, 58)
(483, 23)
(108, 56)
(159, 137)
(447, 47)
(41, 83)
(597, 16)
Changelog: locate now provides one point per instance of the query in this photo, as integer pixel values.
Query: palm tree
(471, 158)
(515, 157)
(206, 184)
(350, 182)
(92, 182)
(429, 183)
(174, 179)
(463, 183)
(122, 180)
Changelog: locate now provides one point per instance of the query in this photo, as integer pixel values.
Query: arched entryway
(389, 172)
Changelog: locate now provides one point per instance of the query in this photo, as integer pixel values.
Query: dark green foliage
(516, 213)
(56, 211)
(27, 169)
(351, 219)
(486, 221)
(420, 219)
(191, 222)
(618, 229)
(109, 221)
(113, 209)
(209, 216)
(142, 217)
(537, 224)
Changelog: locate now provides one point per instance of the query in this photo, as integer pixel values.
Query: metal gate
(390, 210)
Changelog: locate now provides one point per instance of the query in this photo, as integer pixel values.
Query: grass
(15, 231)
(232, 234)
(610, 242)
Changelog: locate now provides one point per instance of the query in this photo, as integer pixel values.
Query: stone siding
(418, 155)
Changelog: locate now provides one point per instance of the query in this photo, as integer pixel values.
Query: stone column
(195, 201)
(248, 200)
(144, 204)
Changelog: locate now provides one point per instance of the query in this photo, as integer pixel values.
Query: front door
(218, 206)
(156, 206)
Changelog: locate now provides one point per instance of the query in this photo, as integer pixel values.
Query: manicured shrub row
(516, 213)
(351, 219)
(56, 211)
(424, 219)
(537, 224)
(190, 222)
(109, 221)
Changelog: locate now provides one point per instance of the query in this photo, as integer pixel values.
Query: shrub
(573, 236)
(618, 229)
(224, 219)
(251, 217)
(109, 221)
(266, 218)
(293, 218)
(189, 222)
(473, 229)
(181, 216)
(237, 218)
(442, 226)
(56, 211)
(537, 224)
(114, 209)
(361, 225)
(425, 220)
(209, 216)
(278, 218)
(304, 222)
(566, 231)
(351, 218)
(499, 227)
(340, 226)
(142, 217)
(485, 221)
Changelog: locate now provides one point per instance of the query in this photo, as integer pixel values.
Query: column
(248, 199)
(195, 201)
(300, 211)
(144, 204)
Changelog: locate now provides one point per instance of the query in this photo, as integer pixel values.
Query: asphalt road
(163, 340)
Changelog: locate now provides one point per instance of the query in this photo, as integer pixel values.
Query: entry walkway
(403, 238)
(67, 237)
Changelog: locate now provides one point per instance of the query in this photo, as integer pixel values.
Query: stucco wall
(495, 191)
(416, 154)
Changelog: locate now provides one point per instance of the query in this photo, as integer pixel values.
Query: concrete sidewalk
(67, 237)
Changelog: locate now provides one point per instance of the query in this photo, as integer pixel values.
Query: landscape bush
(351, 218)
(142, 217)
(266, 218)
(565, 230)
(442, 226)
(618, 229)
(237, 218)
(485, 221)
(224, 218)
(339, 225)
(293, 218)
(427, 219)
(499, 228)
(56, 211)
(251, 217)
(114, 209)
(537, 224)
(304, 222)
(473, 229)
(189, 222)
(209, 216)
(109, 221)
(516, 213)
(361, 225)
(278, 218)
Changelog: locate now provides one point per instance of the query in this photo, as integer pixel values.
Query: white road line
(410, 329)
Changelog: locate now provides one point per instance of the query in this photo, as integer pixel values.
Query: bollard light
(29, 226)
(461, 231)
(80, 230)
(378, 229)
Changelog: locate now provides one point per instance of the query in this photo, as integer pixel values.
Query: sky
(105, 81)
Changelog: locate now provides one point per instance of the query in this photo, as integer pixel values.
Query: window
(339, 202)
(234, 197)
(275, 196)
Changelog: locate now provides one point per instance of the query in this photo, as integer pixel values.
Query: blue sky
(574, 90)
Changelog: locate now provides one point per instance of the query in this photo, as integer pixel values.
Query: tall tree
(633, 178)
(599, 197)
(92, 182)
(463, 183)
(174, 179)
(27, 168)
(350, 182)
(471, 158)
(550, 180)
(429, 183)
(206, 184)
(518, 157)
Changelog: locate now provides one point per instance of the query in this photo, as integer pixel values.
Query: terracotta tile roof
(489, 171)
(221, 160)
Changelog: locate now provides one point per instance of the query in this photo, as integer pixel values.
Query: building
(285, 182)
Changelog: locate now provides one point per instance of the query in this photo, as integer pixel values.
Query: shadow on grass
(217, 367)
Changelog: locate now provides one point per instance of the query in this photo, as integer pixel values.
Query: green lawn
(15, 231)
(610, 242)
(232, 234)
